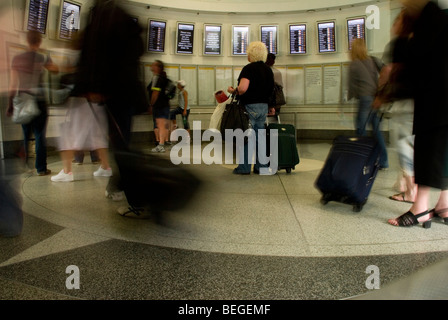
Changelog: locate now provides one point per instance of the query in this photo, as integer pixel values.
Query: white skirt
(82, 130)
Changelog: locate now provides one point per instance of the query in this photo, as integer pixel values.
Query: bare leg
(442, 204)
(161, 125)
(104, 157)
(156, 133)
(67, 157)
(411, 188)
(420, 205)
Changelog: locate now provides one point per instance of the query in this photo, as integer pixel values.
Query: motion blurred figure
(429, 63)
(108, 73)
(26, 76)
(395, 89)
(363, 86)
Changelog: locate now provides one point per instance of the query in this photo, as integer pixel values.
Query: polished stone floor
(242, 237)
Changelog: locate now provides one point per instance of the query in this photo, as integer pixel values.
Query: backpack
(170, 89)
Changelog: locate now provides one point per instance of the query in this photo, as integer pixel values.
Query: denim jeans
(38, 127)
(366, 115)
(257, 117)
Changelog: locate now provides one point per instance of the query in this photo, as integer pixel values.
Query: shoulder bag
(25, 108)
(25, 105)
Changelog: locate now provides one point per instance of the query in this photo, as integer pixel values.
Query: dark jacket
(109, 62)
(429, 69)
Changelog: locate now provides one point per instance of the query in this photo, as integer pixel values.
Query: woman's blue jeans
(366, 115)
(257, 117)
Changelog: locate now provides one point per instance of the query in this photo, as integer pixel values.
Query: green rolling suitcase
(288, 155)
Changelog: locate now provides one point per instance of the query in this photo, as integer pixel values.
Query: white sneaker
(159, 148)
(115, 196)
(63, 177)
(103, 172)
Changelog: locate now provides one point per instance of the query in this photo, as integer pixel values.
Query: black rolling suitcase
(349, 171)
(155, 182)
(288, 155)
(152, 181)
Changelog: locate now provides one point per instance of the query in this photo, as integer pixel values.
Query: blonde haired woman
(363, 86)
(255, 85)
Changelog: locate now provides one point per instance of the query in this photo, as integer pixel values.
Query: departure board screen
(240, 40)
(212, 40)
(69, 21)
(326, 32)
(297, 39)
(355, 30)
(156, 36)
(185, 38)
(269, 36)
(37, 15)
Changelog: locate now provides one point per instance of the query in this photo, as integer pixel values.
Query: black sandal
(436, 214)
(409, 219)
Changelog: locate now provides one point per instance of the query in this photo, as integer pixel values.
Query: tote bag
(25, 108)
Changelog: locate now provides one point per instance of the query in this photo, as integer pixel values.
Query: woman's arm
(185, 94)
(242, 86)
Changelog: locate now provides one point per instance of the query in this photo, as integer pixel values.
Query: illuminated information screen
(156, 36)
(185, 37)
(356, 30)
(327, 36)
(269, 38)
(212, 40)
(297, 39)
(69, 19)
(37, 15)
(240, 36)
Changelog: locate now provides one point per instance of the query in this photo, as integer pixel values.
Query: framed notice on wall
(184, 38)
(36, 15)
(326, 36)
(355, 30)
(69, 19)
(297, 39)
(212, 40)
(240, 40)
(269, 36)
(156, 36)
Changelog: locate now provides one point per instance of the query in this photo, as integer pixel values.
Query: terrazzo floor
(242, 238)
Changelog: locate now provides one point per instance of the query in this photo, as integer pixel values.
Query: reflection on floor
(243, 237)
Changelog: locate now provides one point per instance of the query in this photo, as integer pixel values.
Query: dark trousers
(120, 123)
(38, 127)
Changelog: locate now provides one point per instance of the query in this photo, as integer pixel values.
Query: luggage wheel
(357, 207)
(288, 170)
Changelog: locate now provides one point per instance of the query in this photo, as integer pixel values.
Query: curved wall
(313, 118)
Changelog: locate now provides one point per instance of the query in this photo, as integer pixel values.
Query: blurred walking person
(363, 83)
(26, 76)
(429, 79)
(108, 74)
